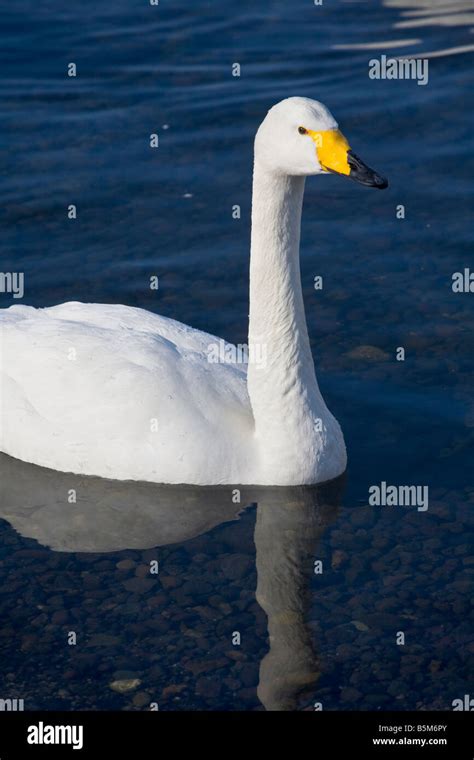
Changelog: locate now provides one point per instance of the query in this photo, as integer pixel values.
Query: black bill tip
(363, 174)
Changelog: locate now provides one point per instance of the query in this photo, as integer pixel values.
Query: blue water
(387, 283)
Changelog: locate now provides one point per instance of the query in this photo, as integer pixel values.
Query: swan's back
(120, 392)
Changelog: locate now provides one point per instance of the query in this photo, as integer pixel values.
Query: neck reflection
(70, 513)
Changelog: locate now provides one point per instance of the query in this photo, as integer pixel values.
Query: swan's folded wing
(95, 386)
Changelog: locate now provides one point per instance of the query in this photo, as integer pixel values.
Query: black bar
(134, 734)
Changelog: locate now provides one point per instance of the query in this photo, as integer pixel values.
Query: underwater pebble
(141, 699)
(139, 585)
(369, 353)
(125, 685)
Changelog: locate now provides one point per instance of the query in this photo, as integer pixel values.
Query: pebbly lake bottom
(132, 596)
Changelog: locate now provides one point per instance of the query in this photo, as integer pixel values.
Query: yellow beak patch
(331, 149)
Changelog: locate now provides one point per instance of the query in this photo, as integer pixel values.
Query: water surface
(387, 284)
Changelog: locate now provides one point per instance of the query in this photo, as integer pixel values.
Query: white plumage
(111, 390)
(122, 393)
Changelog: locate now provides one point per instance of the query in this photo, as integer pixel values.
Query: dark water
(387, 283)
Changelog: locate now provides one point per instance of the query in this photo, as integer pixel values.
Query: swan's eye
(302, 130)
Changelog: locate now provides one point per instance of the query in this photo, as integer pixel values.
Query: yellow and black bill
(336, 156)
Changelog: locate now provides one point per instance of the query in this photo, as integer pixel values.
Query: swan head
(300, 137)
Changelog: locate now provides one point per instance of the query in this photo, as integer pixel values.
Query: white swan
(122, 393)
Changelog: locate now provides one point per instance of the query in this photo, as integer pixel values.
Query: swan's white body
(123, 393)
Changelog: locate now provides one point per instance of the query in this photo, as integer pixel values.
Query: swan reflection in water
(110, 516)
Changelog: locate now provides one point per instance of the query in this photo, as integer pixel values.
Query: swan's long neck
(282, 384)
